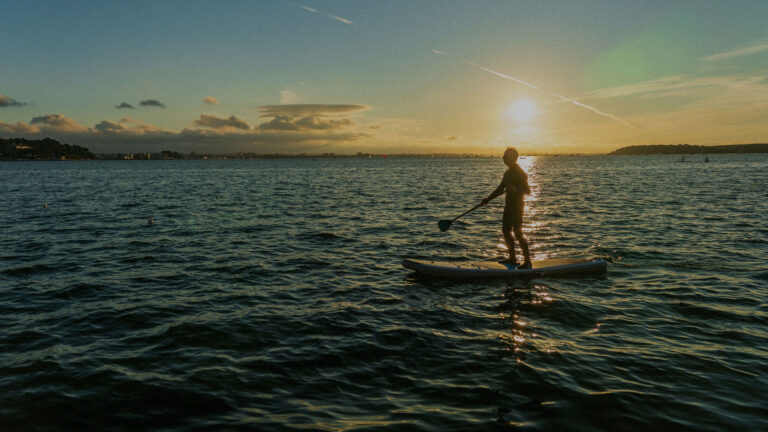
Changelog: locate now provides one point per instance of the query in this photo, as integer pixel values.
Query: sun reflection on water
(519, 335)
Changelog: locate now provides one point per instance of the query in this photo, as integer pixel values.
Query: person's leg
(506, 229)
(518, 229)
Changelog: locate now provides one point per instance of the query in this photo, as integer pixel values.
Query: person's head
(510, 156)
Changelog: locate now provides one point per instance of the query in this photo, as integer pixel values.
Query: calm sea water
(268, 295)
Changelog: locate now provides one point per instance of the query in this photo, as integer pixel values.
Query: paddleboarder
(515, 185)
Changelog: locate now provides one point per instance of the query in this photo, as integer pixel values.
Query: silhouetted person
(706, 159)
(515, 185)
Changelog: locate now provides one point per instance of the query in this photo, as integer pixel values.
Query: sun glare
(522, 111)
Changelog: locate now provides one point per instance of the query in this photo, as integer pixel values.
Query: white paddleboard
(491, 269)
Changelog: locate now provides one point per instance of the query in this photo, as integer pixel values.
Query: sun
(522, 111)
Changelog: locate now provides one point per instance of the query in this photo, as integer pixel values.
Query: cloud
(309, 110)
(280, 134)
(307, 8)
(344, 20)
(212, 122)
(308, 117)
(678, 85)
(288, 123)
(124, 105)
(57, 122)
(152, 102)
(755, 49)
(108, 126)
(19, 128)
(7, 101)
(438, 52)
(210, 100)
(315, 11)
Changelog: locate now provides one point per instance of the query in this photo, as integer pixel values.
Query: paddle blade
(444, 225)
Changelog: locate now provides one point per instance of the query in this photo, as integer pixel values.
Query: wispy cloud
(438, 52)
(152, 103)
(344, 20)
(7, 101)
(315, 11)
(754, 49)
(678, 85)
(307, 8)
(124, 105)
(210, 100)
(694, 109)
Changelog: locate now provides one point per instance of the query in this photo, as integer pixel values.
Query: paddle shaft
(473, 208)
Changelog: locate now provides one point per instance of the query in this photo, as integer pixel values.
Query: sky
(348, 76)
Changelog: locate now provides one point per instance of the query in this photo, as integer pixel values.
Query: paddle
(446, 223)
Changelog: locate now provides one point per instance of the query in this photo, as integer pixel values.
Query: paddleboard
(490, 269)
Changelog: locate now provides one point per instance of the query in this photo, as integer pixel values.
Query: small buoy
(150, 221)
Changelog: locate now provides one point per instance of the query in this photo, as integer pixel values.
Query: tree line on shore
(44, 149)
(690, 149)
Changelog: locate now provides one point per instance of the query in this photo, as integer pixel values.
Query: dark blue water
(268, 295)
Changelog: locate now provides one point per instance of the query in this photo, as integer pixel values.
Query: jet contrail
(309, 9)
(504, 76)
(593, 109)
(562, 98)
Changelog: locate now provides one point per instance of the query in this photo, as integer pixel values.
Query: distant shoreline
(19, 149)
(682, 149)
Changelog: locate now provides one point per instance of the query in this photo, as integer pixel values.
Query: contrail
(309, 9)
(562, 98)
(593, 109)
(504, 76)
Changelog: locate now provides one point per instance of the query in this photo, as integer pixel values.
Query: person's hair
(510, 152)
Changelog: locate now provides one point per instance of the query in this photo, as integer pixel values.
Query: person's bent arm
(498, 191)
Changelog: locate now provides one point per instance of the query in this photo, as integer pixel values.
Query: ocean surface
(269, 295)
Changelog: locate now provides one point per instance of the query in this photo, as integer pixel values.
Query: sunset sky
(384, 76)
